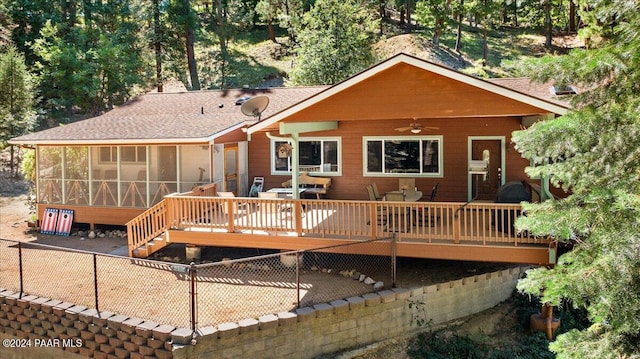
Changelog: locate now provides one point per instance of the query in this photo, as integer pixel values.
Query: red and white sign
(49, 221)
(65, 220)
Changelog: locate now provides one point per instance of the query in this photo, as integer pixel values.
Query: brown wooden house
(402, 123)
(470, 119)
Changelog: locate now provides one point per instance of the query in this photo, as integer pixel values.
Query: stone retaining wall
(354, 322)
(303, 333)
(32, 324)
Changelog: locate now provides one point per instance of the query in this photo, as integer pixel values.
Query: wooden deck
(438, 230)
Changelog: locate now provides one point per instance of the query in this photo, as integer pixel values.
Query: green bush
(446, 344)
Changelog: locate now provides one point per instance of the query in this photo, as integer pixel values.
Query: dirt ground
(15, 213)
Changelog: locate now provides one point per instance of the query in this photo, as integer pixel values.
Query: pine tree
(335, 42)
(16, 99)
(593, 152)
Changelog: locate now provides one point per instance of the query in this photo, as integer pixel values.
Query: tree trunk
(157, 44)
(191, 57)
(383, 15)
(271, 33)
(459, 29)
(572, 16)
(547, 24)
(12, 160)
(485, 46)
(409, 25)
(221, 19)
(485, 49)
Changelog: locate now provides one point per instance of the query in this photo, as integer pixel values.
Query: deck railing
(149, 225)
(153, 222)
(426, 221)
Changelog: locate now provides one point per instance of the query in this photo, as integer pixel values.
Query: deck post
(373, 219)
(170, 209)
(297, 217)
(456, 229)
(232, 206)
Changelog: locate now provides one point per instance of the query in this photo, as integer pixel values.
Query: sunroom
(119, 176)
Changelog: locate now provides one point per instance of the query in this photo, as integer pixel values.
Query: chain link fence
(197, 295)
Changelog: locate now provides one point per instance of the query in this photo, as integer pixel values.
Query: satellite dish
(254, 106)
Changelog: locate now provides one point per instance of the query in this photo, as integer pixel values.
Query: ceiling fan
(415, 127)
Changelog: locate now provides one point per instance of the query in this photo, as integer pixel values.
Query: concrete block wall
(67, 330)
(353, 322)
(31, 326)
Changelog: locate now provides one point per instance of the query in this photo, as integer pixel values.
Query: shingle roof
(198, 116)
(171, 117)
(534, 89)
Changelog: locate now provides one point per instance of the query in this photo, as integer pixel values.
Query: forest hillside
(80, 59)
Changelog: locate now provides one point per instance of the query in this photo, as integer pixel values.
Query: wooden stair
(150, 247)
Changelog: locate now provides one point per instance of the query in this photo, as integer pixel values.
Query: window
(130, 154)
(396, 156)
(315, 155)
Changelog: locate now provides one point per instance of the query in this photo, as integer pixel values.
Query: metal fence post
(20, 266)
(95, 281)
(394, 268)
(192, 293)
(298, 276)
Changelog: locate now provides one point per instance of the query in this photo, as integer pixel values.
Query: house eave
(422, 64)
(130, 142)
(111, 142)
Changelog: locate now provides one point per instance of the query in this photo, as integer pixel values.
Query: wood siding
(455, 132)
(407, 92)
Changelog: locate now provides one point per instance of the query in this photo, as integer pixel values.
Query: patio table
(285, 192)
(410, 196)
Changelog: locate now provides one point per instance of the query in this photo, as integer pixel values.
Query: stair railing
(149, 225)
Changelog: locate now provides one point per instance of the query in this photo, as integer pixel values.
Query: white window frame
(116, 151)
(272, 147)
(366, 139)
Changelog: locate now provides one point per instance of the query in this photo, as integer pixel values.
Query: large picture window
(397, 156)
(315, 155)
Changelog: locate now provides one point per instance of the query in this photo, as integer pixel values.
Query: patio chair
(256, 187)
(424, 213)
(381, 212)
(370, 193)
(376, 193)
(407, 184)
(225, 208)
